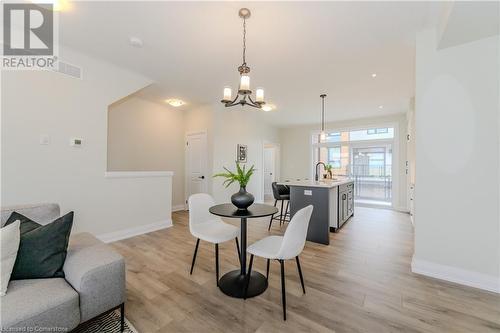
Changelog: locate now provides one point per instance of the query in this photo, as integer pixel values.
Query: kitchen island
(333, 202)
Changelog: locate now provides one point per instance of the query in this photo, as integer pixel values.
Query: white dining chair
(208, 227)
(282, 248)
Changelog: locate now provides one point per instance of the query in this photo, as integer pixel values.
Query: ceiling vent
(68, 69)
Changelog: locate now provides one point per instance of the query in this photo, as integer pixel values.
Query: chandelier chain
(244, 41)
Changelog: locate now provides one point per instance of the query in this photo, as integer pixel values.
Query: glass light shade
(245, 82)
(175, 102)
(322, 136)
(227, 94)
(268, 107)
(259, 95)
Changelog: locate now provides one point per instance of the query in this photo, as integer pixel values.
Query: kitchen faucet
(316, 176)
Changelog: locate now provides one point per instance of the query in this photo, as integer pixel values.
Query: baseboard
(402, 210)
(134, 231)
(456, 275)
(177, 208)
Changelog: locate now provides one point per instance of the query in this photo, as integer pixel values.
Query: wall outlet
(44, 139)
(76, 142)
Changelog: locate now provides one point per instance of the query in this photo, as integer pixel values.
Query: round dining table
(233, 283)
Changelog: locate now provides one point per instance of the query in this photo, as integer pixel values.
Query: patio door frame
(376, 144)
(396, 167)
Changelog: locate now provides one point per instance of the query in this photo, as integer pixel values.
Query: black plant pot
(242, 199)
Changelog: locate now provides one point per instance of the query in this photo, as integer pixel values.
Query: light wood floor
(361, 282)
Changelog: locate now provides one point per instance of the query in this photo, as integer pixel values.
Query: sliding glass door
(364, 155)
(372, 173)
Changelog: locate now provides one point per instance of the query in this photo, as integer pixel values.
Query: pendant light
(322, 135)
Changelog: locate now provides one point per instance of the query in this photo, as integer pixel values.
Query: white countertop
(330, 183)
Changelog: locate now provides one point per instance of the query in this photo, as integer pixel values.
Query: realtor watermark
(30, 39)
(33, 329)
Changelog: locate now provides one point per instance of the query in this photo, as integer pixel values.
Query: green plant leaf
(242, 175)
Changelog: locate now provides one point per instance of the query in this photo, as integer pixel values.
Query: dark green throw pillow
(42, 249)
(26, 224)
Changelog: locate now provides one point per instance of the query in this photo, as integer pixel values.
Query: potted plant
(241, 199)
(328, 169)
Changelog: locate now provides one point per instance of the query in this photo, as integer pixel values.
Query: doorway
(270, 168)
(196, 163)
(372, 173)
(365, 155)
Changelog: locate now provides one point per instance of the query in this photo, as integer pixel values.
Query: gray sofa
(94, 283)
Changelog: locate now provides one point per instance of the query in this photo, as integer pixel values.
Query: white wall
(235, 126)
(457, 161)
(296, 153)
(226, 128)
(44, 102)
(147, 136)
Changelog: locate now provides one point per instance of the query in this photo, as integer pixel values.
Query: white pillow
(9, 243)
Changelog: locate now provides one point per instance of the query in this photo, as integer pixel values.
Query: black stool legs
(282, 217)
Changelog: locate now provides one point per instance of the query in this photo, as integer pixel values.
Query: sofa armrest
(97, 273)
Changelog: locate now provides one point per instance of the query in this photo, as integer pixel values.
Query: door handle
(201, 177)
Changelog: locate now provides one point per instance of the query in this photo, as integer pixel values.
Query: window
(372, 134)
(377, 131)
(363, 154)
(334, 157)
(382, 133)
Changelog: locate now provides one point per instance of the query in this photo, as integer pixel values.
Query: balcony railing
(371, 182)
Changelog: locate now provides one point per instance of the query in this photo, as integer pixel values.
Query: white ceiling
(467, 21)
(296, 51)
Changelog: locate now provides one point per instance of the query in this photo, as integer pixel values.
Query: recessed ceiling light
(380, 107)
(135, 41)
(374, 75)
(175, 102)
(57, 5)
(268, 107)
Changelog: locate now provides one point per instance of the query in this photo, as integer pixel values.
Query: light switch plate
(76, 142)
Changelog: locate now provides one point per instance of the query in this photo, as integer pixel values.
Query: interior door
(196, 163)
(269, 169)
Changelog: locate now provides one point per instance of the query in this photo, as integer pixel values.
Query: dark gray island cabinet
(333, 202)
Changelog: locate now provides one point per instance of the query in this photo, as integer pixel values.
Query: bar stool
(280, 193)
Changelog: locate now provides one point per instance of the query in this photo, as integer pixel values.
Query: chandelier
(244, 95)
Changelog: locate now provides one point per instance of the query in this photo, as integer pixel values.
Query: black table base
(233, 284)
